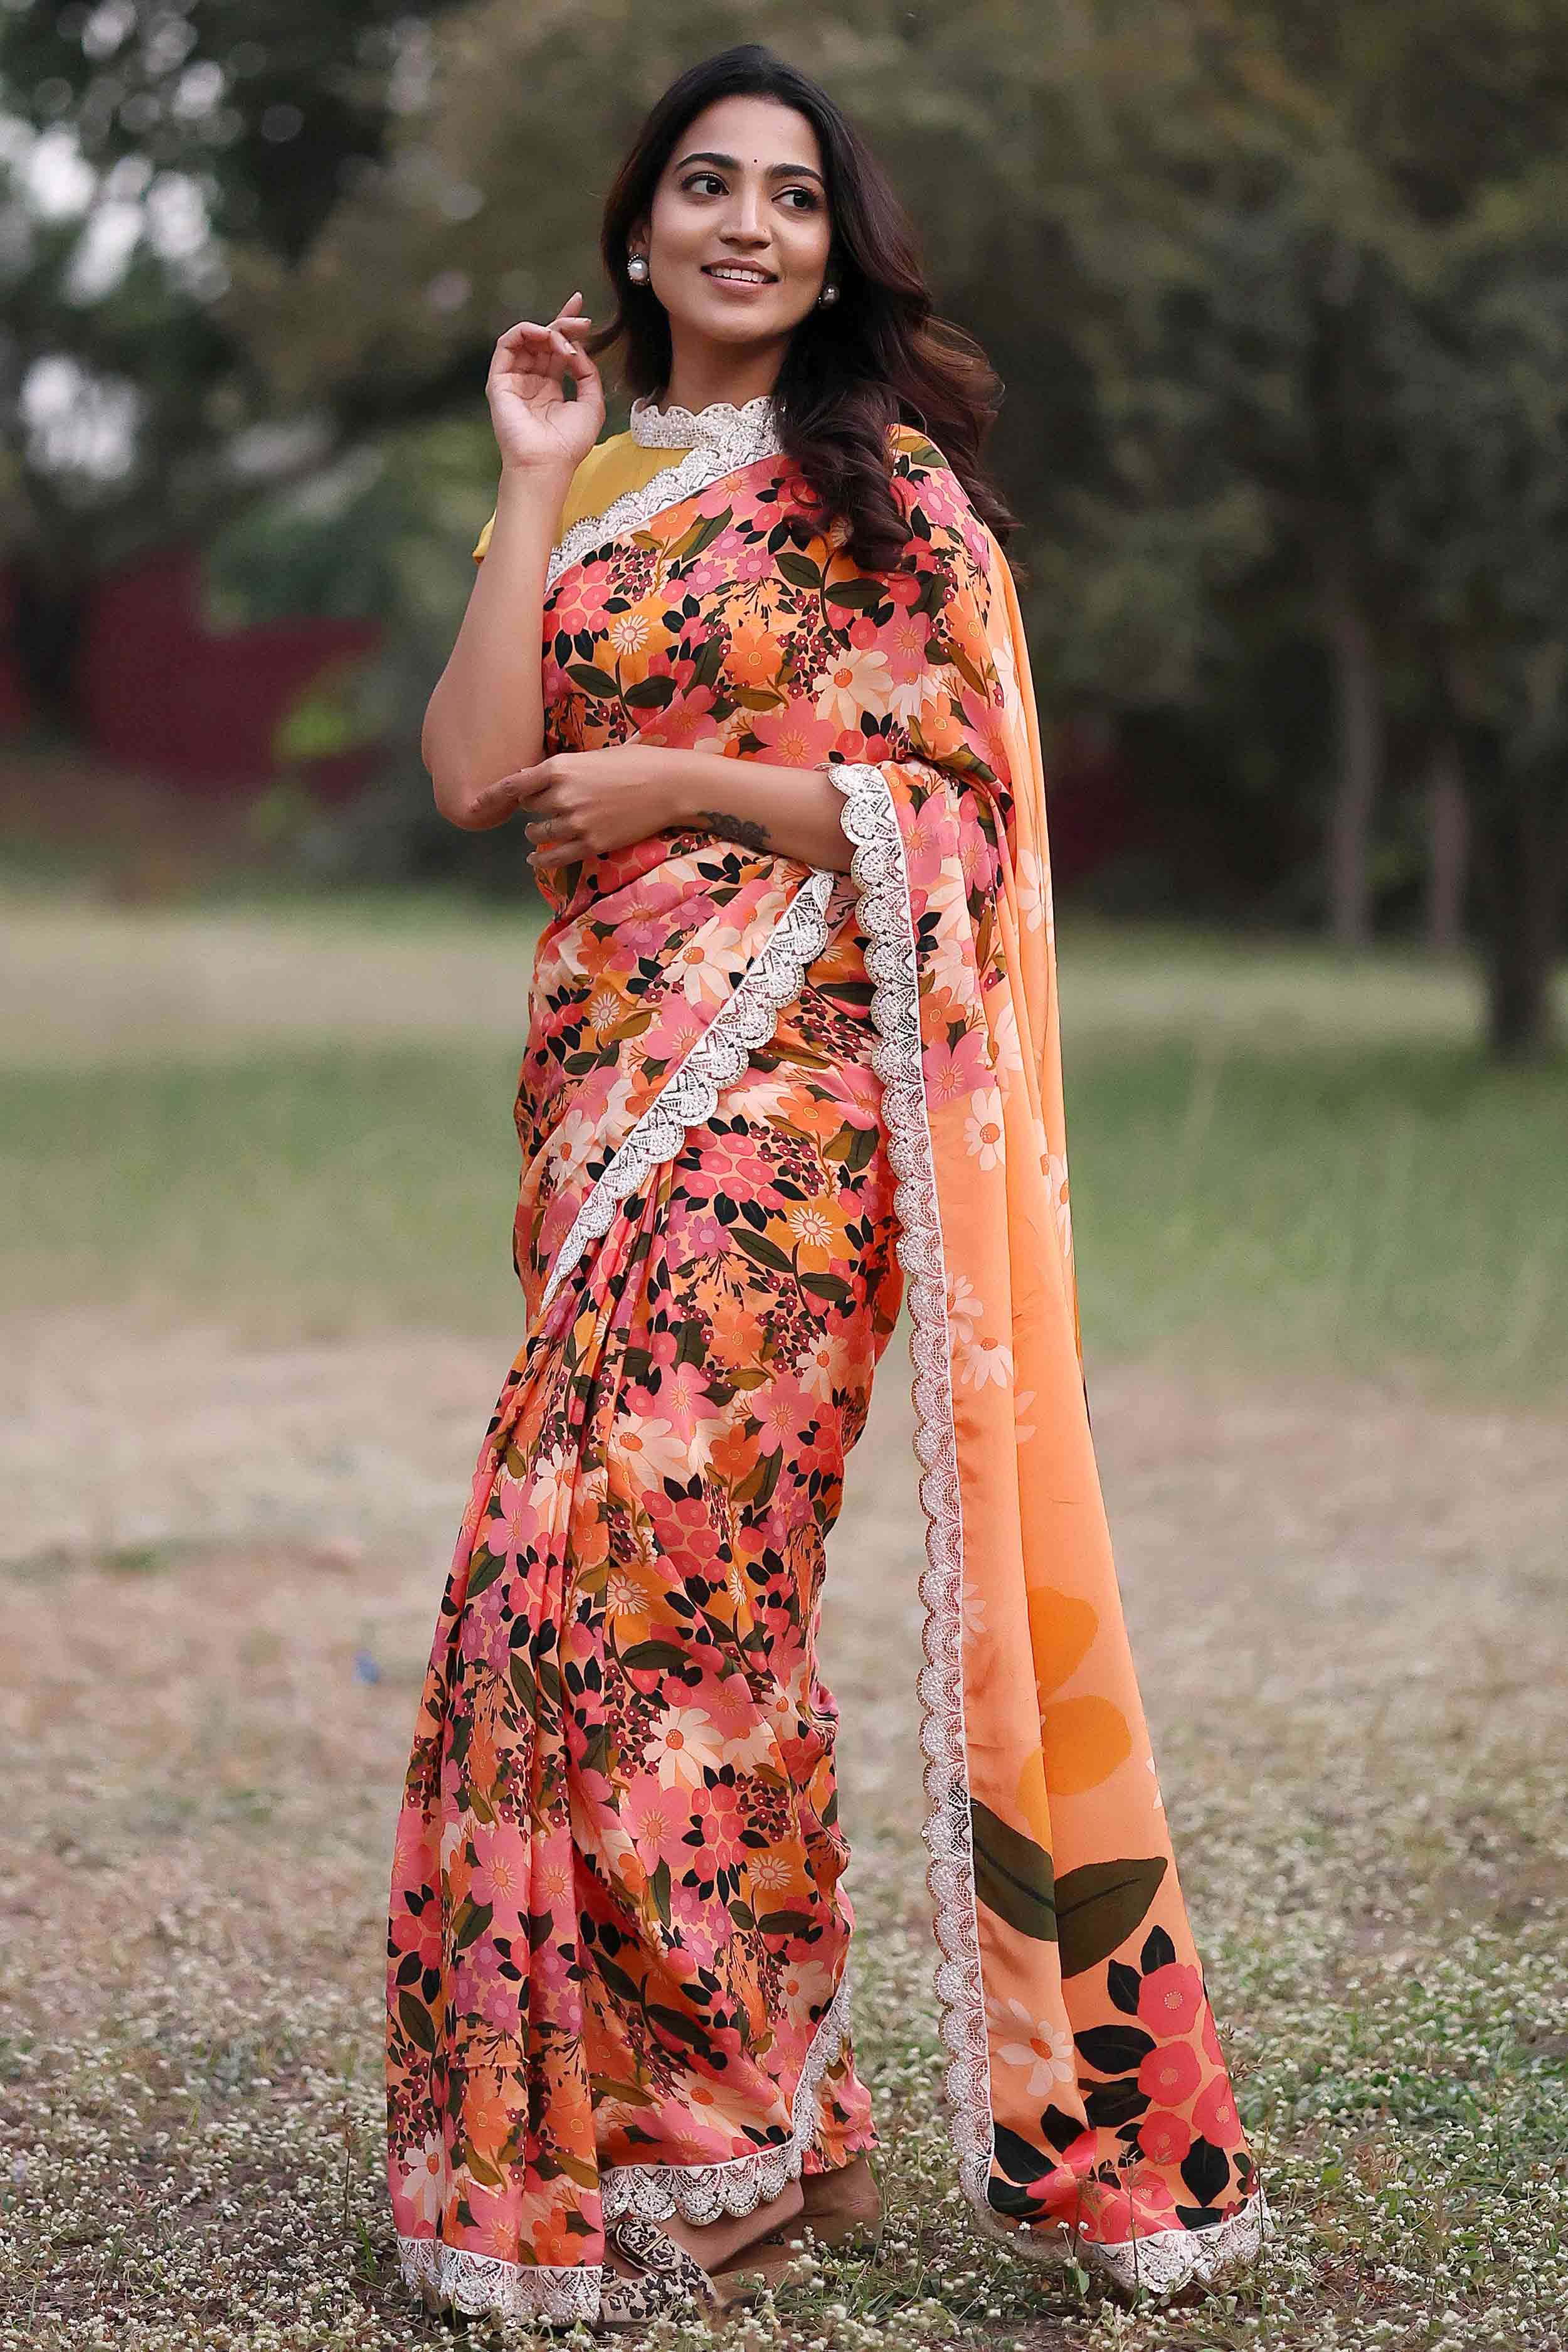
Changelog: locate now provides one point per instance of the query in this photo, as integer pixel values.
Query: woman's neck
(708, 373)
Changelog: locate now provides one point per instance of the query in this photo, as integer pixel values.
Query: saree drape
(757, 1101)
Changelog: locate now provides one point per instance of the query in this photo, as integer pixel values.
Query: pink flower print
(687, 721)
(511, 1523)
(496, 1877)
(753, 563)
(953, 1072)
(722, 1820)
(658, 1819)
(1170, 2074)
(1163, 2137)
(780, 1409)
(420, 1932)
(1169, 1999)
(1215, 2114)
(1209, 2037)
(1154, 2205)
(795, 735)
(904, 644)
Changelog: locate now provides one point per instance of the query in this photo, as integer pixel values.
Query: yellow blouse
(610, 470)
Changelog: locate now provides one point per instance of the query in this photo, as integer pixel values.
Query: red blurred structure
(151, 688)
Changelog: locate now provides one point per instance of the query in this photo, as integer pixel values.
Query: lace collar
(737, 435)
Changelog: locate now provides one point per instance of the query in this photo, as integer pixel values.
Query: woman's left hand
(584, 803)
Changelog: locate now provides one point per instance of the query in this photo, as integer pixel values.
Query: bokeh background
(1279, 296)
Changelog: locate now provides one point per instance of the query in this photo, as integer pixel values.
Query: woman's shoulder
(930, 496)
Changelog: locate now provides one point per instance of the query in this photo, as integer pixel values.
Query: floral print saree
(760, 1104)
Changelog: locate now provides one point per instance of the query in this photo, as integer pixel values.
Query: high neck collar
(738, 435)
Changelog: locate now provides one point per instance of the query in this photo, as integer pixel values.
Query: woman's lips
(752, 284)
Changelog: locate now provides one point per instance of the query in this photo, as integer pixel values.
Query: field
(257, 1179)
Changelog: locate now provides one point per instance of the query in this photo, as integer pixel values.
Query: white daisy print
(1041, 2048)
(684, 1742)
(985, 1362)
(983, 1127)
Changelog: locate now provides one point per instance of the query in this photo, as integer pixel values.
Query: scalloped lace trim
(703, 2193)
(1168, 2259)
(719, 425)
(772, 979)
(718, 441)
(445, 2277)
(870, 822)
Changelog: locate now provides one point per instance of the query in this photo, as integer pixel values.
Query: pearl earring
(829, 295)
(637, 268)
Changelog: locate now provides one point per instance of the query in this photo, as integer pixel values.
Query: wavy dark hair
(878, 357)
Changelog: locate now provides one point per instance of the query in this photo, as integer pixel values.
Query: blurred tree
(141, 141)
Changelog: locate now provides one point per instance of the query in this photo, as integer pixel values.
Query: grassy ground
(255, 1249)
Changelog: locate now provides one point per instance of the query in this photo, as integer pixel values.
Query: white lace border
(690, 1094)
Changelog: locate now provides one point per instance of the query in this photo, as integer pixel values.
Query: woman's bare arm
(486, 715)
(585, 804)
(793, 812)
(486, 718)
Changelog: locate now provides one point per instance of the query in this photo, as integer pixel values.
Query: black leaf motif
(1114, 2049)
(1110, 2103)
(1205, 2170)
(1017, 2159)
(1158, 1950)
(1121, 1983)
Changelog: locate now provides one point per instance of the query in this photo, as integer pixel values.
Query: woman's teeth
(739, 277)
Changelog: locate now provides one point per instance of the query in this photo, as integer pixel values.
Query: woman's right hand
(537, 428)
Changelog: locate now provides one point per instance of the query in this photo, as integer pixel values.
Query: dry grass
(225, 1541)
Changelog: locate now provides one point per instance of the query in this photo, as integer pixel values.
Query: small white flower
(858, 679)
(983, 1127)
(963, 1307)
(629, 633)
(425, 2178)
(1034, 890)
(984, 1362)
(1043, 2050)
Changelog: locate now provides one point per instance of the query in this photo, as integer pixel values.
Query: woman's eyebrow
(732, 164)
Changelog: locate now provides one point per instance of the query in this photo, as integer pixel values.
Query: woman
(792, 1035)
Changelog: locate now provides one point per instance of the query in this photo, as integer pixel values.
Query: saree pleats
(756, 1102)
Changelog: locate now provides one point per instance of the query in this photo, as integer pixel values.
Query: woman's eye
(808, 197)
(708, 183)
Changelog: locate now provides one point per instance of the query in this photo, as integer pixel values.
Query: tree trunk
(1447, 845)
(1359, 750)
(1527, 858)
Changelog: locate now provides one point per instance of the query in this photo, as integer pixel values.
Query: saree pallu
(758, 1102)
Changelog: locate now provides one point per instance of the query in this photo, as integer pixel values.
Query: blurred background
(1279, 296)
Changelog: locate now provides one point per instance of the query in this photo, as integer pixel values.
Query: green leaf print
(1098, 1907)
(1013, 1875)
(415, 2020)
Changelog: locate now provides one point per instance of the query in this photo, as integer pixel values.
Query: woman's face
(739, 236)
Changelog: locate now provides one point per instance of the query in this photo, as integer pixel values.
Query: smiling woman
(793, 1039)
